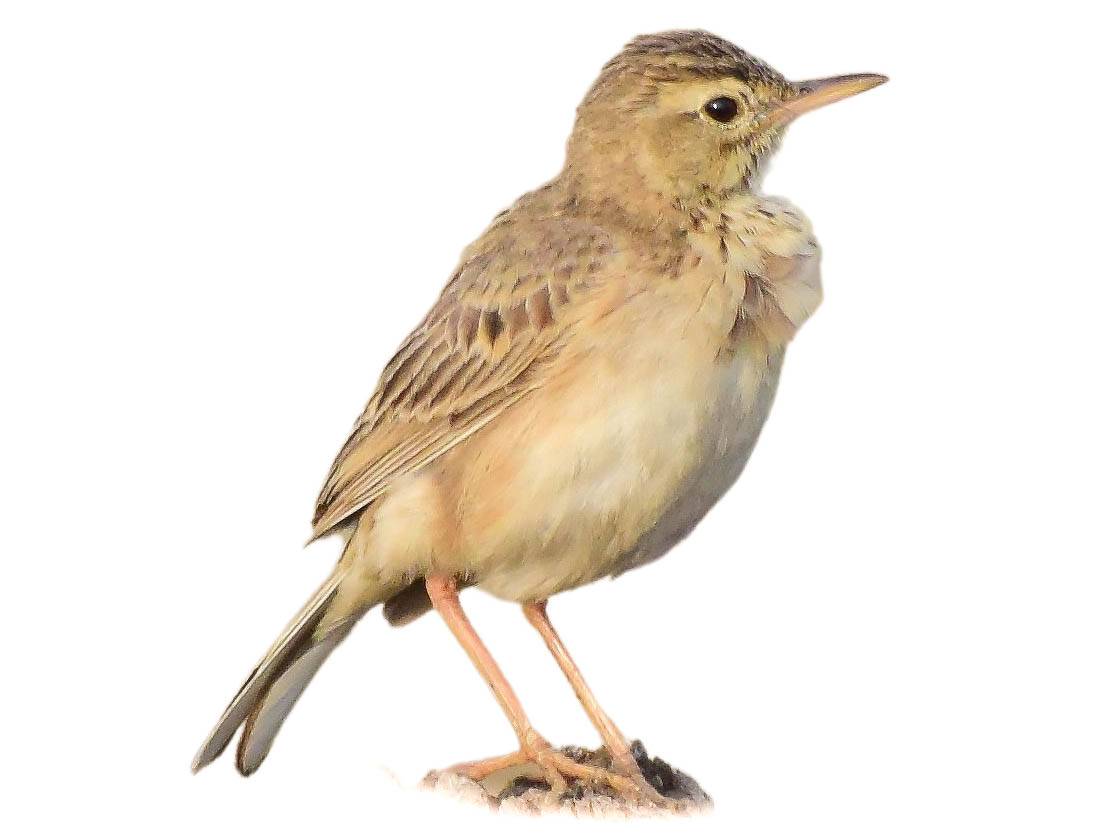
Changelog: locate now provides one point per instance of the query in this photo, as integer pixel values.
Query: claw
(558, 770)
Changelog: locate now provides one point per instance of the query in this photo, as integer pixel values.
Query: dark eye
(722, 109)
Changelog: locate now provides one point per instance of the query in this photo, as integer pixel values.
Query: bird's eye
(721, 109)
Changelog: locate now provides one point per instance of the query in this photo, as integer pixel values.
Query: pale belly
(728, 438)
(602, 488)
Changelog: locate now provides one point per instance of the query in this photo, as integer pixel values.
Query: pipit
(589, 383)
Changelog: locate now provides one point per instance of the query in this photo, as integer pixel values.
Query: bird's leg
(612, 738)
(444, 596)
(557, 767)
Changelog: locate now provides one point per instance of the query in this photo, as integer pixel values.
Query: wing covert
(490, 339)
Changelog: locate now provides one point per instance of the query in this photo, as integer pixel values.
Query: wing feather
(489, 340)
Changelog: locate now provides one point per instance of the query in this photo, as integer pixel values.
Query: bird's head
(687, 115)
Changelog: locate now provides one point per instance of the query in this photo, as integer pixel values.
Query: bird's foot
(566, 773)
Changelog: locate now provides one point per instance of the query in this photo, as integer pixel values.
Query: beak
(819, 92)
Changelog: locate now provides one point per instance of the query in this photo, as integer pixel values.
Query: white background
(218, 219)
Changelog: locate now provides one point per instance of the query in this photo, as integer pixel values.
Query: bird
(588, 384)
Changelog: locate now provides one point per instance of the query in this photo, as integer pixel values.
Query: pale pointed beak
(819, 92)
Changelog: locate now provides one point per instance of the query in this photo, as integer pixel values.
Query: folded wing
(491, 338)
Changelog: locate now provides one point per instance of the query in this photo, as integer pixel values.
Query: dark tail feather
(268, 715)
(275, 683)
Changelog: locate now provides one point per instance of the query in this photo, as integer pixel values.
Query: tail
(269, 694)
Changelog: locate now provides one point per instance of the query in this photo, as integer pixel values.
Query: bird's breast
(651, 421)
(753, 266)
